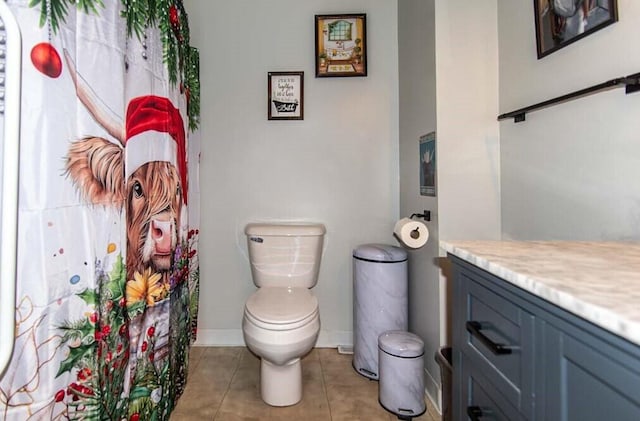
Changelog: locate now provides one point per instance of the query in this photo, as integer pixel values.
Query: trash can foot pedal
(405, 417)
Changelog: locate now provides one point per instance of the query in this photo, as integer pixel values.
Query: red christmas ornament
(173, 17)
(46, 59)
(59, 395)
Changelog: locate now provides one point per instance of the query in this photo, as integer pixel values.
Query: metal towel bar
(631, 84)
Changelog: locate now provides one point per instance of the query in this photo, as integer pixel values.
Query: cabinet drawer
(497, 337)
(481, 400)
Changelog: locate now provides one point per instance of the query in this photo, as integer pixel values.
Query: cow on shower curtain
(107, 287)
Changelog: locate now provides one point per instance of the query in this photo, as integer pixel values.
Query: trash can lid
(380, 253)
(400, 343)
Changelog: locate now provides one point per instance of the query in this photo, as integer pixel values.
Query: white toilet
(281, 319)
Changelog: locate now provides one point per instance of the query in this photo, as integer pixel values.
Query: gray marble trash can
(380, 288)
(401, 387)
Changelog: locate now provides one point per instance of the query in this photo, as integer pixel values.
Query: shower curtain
(107, 288)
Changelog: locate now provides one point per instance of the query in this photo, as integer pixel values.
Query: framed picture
(286, 95)
(428, 164)
(341, 45)
(561, 22)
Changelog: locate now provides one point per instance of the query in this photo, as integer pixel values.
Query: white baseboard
(433, 391)
(233, 337)
(334, 338)
(219, 337)
(326, 339)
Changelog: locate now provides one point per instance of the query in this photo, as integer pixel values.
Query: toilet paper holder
(426, 215)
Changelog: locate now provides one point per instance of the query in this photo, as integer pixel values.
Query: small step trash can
(401, 364)
(444, 358)
(380, 287)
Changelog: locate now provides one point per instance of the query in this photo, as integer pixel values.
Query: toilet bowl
(281, 319)
(280, 326)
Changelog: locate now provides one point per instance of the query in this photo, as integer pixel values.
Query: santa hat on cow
(155, 132)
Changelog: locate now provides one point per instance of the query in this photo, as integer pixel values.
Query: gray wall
(338, 166)
(468, 133)
(571, 171)
(416, 52)
(435, 62)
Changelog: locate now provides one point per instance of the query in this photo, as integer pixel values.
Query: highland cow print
(154, 198)
(146, 181)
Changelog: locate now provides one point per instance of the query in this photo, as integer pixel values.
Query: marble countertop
(598, 281)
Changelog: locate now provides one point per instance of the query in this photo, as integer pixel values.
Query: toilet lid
(281, 305)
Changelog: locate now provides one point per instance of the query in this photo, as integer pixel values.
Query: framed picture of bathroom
(286, 95)
(341, 45)
(562, 22)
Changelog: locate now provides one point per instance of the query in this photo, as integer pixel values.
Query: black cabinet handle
(475, 328)
(474, 412)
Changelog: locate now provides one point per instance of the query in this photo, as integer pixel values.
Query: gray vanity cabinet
(586, 378)
(518, 357)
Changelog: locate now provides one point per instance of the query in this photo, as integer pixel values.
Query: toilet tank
(285, 254)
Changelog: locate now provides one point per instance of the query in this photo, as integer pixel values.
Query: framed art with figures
(562, 22)
(341, 45)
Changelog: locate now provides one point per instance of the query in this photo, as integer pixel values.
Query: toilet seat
(281, 308)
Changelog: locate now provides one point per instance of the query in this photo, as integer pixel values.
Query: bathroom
(450, 66)
(568, 172)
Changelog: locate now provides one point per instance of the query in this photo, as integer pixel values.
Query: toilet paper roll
(411, 233)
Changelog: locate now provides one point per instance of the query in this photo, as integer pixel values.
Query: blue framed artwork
(428, 164)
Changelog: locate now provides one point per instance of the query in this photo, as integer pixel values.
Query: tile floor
(224, 385)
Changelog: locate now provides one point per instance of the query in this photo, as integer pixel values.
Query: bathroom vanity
(545, 330)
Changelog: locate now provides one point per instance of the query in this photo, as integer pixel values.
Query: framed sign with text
(286, 95)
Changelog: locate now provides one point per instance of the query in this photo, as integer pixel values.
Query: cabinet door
(496, 336)
(480, 400)
(588, 379)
